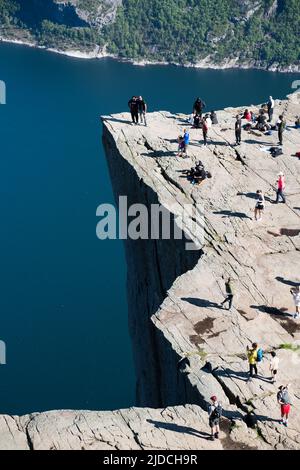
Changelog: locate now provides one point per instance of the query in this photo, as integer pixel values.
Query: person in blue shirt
(186, 138)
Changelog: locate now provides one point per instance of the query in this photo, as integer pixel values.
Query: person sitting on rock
(197, 121)
(262, 124)
(247, 115)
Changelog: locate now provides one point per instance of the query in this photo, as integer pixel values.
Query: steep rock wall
(190, 325)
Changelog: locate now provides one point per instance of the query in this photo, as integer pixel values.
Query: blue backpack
(260, 355)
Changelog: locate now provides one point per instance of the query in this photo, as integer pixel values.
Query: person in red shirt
(280, 188)
(247, 115)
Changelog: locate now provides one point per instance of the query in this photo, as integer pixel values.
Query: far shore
(205, 63)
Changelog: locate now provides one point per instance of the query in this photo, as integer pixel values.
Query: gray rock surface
(174, 294)
(182, 428)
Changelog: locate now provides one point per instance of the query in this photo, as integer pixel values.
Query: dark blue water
(63, 313)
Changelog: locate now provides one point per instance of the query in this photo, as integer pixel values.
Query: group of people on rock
(229, 289)
(260, 198)
(262, 122)
(138, 110)
(197, 174)
(255, 355)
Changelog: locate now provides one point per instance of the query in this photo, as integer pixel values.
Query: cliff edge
(174, 295)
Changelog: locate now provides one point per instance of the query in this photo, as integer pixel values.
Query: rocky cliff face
(262, 257)
(186, 347)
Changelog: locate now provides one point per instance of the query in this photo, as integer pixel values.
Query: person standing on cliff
(281, 125)
(252, 359)
(142, 107)
(238, 130)
(198, 107)
(229, 293)
(271, 105)
(134, 110)
(205, 128)
(295, 291)
(280, 188)
(186, 139)
(215, 414)
(284, 401)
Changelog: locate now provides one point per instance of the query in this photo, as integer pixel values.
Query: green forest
(180, 31)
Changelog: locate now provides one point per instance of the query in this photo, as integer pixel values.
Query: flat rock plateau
(175, 320)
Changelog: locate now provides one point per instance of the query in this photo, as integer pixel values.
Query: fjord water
(63, 313)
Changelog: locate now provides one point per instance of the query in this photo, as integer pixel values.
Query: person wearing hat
(270, 105)
(215, 414)
(280, 188)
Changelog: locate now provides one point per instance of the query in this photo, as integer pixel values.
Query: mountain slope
(263, 33)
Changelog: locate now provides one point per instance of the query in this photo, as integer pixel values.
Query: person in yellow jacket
(252, 359)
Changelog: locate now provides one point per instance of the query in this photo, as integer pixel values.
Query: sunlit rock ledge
(175, 321)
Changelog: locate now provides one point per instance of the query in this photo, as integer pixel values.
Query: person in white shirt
(274, 364)
(271, 105)
(296, 296)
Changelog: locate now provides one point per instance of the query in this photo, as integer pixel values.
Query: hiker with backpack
(254, 356)
(284, 401)
(215, 414)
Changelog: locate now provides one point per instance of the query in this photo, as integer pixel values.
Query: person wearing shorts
(260, 205)
(284, 401)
